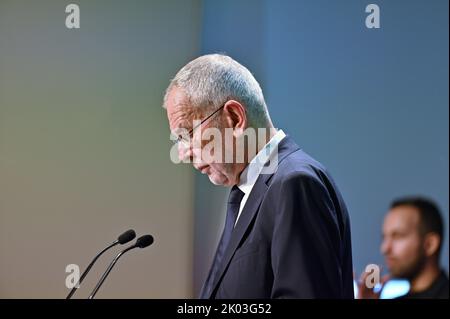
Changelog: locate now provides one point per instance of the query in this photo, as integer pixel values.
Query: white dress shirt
(250, 174)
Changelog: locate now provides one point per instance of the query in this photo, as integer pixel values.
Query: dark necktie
(234, 202)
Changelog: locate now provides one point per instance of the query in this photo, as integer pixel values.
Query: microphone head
(144, 241)
(126, 237)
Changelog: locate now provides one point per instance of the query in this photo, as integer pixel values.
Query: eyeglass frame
(191, 131)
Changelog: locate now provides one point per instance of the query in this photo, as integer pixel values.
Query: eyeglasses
(186, 139)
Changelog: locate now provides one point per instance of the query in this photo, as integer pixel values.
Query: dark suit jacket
(292, 239)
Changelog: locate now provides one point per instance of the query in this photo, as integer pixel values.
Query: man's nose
(185, 152)
(386, 246)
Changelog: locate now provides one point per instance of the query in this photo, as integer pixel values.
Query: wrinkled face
(402, 244)
(181, 116)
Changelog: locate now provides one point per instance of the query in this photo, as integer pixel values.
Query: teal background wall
(370, 104)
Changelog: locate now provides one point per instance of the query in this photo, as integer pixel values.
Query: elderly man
(287, 231)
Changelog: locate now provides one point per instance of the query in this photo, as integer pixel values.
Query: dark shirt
(437, 290)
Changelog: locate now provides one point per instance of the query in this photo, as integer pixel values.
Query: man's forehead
(180, 112)
(402, 217)
(176, 97)
(181, 117)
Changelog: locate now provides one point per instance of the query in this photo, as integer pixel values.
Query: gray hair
(211, 80)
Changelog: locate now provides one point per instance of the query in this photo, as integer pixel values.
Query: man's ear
(235, 116)
(431, 243)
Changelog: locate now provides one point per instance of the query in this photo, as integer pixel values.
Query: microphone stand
(89, 268)
(110, 267)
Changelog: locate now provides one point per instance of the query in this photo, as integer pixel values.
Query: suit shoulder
(299, 165)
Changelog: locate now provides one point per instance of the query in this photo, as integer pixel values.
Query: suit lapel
(247, 215)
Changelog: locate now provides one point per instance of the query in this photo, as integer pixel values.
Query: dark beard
(413, 270)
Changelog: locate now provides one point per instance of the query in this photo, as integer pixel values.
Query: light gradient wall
(84, 146)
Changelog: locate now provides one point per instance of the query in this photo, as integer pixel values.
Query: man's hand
(364, 292)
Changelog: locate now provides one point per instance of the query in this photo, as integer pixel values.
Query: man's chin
(216, 181)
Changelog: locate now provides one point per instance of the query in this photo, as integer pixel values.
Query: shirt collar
(251, 172)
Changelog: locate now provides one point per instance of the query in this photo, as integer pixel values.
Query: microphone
(141, 242)
(122, 239)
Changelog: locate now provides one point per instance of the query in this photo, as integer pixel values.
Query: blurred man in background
(412, 240)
